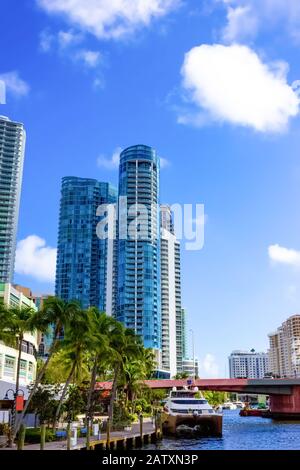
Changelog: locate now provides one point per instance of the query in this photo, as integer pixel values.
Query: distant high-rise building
(184, 334)
(12, 149)
(171, 311)
(84, 262)
(166, 218)
(190, 367)
(248, 365)
(44, 341)
(138, 284)
(284, 350)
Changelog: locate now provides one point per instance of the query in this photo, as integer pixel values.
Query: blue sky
(209, 85)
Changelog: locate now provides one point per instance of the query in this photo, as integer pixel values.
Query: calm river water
(242, 434)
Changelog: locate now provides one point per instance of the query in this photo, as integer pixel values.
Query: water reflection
(242, 433)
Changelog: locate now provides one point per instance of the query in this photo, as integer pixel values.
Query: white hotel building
(248, 364)
(8, 355)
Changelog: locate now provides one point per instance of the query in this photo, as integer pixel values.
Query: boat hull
(206, 425)
(252, 412)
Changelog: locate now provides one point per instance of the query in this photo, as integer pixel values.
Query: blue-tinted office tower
(138, 254)
(84, 269)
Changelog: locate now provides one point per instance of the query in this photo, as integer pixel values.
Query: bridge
(284, 394)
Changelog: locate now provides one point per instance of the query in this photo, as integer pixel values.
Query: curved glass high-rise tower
(84, 262)
(138, 283)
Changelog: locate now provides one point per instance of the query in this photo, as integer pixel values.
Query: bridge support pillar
(286, 406)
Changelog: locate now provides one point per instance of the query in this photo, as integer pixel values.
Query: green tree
(77, 342)
(215, 398)
(181, 376)
(104, 329)
(44, 402)
(57, 314)
(137, 369)
(126, 346)
(16, 322)
(75, 402)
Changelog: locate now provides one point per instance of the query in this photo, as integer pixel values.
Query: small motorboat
(228, 405)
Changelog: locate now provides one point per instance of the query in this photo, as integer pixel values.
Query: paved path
(81, 441)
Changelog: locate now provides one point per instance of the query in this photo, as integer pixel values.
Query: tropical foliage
(87, 346)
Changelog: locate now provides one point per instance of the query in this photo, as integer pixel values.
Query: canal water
(242, 433)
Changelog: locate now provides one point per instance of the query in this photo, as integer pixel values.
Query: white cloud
(245, 18)
(109, 18)
(110, 163)
(241, 24)
(208, 367)
(232, 84)
(164, 162)
(291, 292)
(90, 58)
(68, 38)
(62, 40)
(14, 84)
(46, 41)
(282, 255)
(35, 259)
(99, 83)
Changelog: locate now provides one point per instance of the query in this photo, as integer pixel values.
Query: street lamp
(193, 346)
(15, 393)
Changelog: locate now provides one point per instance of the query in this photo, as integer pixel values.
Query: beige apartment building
(284, 350)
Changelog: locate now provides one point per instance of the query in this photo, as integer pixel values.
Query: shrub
(33, 435)
(121, 417)
(4, 429)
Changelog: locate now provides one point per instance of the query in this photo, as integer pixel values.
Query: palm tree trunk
(34, 389)
(14, 411)
(113, 395)
(65, 389)
(19, 364)
(91, 390)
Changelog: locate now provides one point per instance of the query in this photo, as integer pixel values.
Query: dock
(118, 440)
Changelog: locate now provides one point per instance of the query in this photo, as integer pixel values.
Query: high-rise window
(82, 271)
(12, 148)
(138, 281)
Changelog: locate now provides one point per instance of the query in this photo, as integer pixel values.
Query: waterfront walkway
(123, 438)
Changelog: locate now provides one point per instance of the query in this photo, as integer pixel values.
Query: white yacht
(228, 405)
(188, 412)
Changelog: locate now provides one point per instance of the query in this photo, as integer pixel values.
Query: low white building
(8, 355)
(248, 364)
(190, 367)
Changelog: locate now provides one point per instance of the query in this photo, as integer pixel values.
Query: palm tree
(7, 335)
(77, 342)
(18, 322)
(133, 373)
(55, 313)
(104, 329)
(148, 362)
(126, 346)
(136, 370)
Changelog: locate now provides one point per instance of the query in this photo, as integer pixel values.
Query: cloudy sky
(214, 87)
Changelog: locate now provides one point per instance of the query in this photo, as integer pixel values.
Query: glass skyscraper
(12, 149)
(84, 269)
(138, 303)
